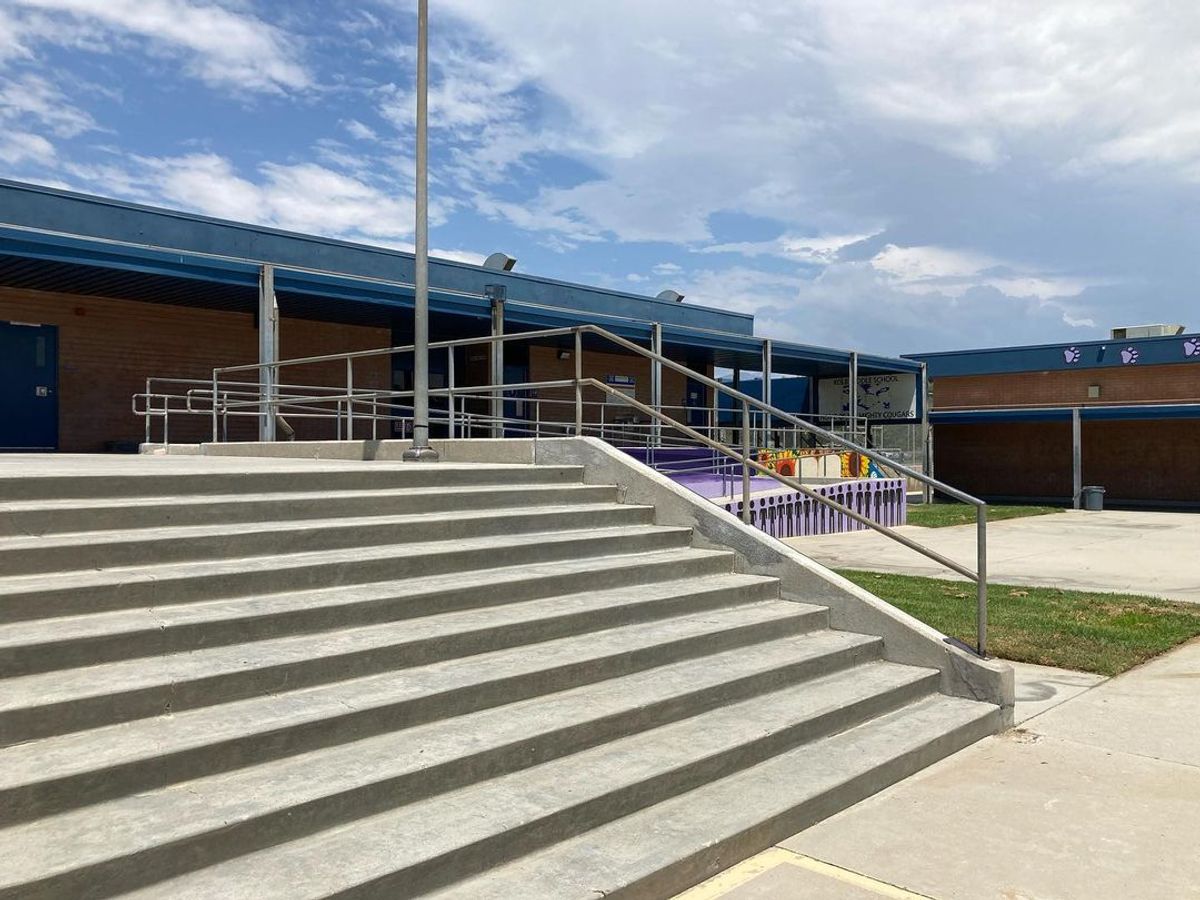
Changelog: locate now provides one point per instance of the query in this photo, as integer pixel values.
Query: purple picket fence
(882, 500)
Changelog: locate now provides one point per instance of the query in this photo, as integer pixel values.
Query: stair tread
(628, 850)
(184, 500)
(169, 615)
(431, 520)
(170, 670)
(125, 743)
(121, 575)
(433, 826)
(175, 813)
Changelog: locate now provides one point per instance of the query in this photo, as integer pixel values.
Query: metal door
(28, 387)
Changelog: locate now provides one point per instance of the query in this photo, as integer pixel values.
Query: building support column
(1076, 457)
(766, 391)
(853, 386)
(656, 347)
(926, 456)
(497, 293)
(268, 353)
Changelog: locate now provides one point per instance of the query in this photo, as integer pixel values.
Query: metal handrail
(269, 404)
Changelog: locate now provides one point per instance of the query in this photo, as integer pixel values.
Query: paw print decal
(1129, 356)
(1191, 347)
(1071, 355)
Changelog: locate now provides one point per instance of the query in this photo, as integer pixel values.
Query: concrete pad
(1041, 688)
(1075, 549)
(779, 874)
(1026, 816)
(1153, 710)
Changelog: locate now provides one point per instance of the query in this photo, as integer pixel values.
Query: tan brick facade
(107, 348)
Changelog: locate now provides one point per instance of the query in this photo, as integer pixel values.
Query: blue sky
(891, 176)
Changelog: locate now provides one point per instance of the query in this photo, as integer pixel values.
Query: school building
(98, 295)
(1041, 422)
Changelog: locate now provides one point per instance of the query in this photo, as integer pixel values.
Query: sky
(882, 175)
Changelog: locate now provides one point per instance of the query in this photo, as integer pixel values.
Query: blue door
(28, 387)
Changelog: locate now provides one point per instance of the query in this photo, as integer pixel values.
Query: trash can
(1092, 497)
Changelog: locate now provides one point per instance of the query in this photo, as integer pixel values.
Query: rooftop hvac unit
(1128, 332)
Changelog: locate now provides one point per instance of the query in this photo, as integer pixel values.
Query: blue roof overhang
(1143, 412)
(220, 250)
(74, 264)
(1065, 356)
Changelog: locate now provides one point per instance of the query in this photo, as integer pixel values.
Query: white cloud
(223, 46)
(358, 130)
(17, 147)
(303, 197)
(951, 273)
(1096, 81)
(820, 250)
(33, 98)
(666, 268)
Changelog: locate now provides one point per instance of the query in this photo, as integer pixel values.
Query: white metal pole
(656, 381)
(766, 390)
(497, 356)
(1076, 457)
(420, 449)
(268, 352)
(854, 397)
(926, 456)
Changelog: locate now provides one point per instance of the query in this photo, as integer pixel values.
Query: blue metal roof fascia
(51, 209)
(82, 251)
(868, 363)
(396, 296)
(549, 317)
(1056, 357)
(1063, 414)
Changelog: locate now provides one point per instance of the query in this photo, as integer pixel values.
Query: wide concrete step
(287, 478)
(701, 659)
(112, 549)
(423, 845)
(158, 834)
(668, 847)
(42, 645)
(49, 703)
(43, 517)
(42, 595)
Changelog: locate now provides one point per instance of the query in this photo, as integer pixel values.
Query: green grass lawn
(939, 515)
(1102, 633)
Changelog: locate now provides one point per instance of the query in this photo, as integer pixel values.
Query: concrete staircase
(405, 680)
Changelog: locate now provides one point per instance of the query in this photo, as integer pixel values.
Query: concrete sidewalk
(1150, 553)
(1097, 798)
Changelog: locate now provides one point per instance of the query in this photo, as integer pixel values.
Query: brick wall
(1135, 461)
(107, 348)
(544, 365)
(1128, 384)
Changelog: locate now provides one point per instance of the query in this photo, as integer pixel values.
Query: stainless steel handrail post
(579, 388)
(214, 409)
(450, 426)
(981, 598)
(349, 398)
(745, 466)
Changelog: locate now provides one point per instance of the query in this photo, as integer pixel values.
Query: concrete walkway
(1097, 798)
(1151, 553)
